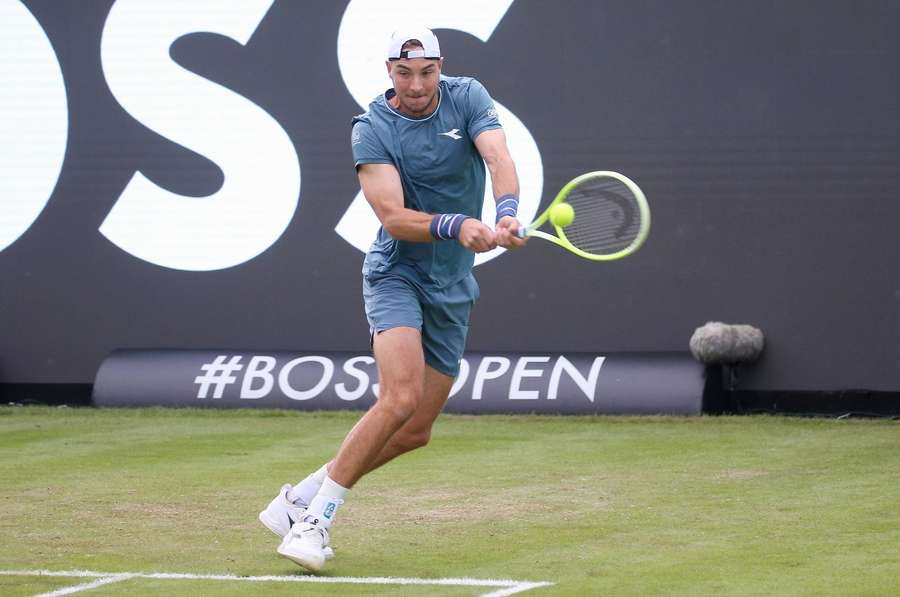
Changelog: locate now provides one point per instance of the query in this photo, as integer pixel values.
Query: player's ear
(387, 64)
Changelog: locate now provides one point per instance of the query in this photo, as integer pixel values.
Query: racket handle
(522, 232)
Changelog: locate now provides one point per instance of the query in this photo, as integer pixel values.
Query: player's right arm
(381, 186)
(382, 189)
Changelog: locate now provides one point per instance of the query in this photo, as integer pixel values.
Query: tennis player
(420, 152)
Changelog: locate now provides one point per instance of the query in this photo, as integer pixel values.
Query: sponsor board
(563, 383)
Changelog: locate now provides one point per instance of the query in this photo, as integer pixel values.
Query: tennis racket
(611, 217)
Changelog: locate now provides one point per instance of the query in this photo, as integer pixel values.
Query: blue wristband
(507, 205)
(447, 226)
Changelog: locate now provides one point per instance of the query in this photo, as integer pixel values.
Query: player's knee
(400, 406)
(413, 440)
(419, 440)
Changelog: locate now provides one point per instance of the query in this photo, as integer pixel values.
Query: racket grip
(522, 232)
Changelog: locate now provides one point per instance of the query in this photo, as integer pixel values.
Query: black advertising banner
(178, 173)
(580, 383)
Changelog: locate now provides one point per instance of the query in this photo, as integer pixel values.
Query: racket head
(612, 217)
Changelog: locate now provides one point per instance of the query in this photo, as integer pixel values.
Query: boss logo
(262, 171)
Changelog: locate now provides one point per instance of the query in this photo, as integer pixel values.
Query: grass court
(593, 505)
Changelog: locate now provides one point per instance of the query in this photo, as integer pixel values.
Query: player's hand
(475, 236)
(506, 233)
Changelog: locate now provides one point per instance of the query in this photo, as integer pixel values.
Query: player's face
(416, 84)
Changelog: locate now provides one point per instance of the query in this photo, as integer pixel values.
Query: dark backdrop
(766, 136)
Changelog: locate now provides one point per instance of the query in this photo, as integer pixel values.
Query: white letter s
(262, 170)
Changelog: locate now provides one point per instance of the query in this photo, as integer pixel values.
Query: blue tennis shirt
(441, 172)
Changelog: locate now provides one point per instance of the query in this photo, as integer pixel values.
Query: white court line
(505, 587)
(103, 580)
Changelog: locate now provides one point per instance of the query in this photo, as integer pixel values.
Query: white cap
(430, 46)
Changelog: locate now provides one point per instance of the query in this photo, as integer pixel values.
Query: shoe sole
(270, 524)
(313, 564)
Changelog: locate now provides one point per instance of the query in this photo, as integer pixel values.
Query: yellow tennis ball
(562, 215)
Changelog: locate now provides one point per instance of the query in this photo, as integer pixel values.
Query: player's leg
(290, 504)
(394, 312)
(416, 432)
(398, 353)
(445, 324)
(401, 374)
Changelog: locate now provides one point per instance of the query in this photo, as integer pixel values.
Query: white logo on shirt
(452, 133)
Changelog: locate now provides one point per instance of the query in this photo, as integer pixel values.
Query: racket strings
(607, 216)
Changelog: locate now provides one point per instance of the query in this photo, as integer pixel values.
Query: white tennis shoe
(281, 514)
(306, 544)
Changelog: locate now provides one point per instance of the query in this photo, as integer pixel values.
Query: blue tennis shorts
(442, 316)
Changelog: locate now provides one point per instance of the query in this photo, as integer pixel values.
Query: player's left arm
(491, 144)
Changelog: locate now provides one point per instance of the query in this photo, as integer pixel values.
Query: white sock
(303, 492)
(324, 506)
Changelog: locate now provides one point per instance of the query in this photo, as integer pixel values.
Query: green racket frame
(562, 241)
